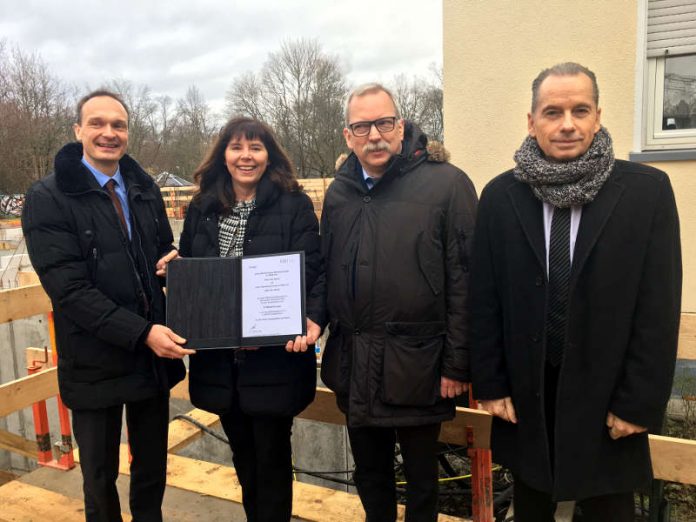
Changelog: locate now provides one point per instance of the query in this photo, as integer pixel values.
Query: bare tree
(191, 132)
(420, 101)
(35, 117)
(142, 124)
(299, 92)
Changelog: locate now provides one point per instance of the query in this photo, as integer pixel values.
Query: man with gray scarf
(575, 301)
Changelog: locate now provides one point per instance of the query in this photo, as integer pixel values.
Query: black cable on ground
(203, 427)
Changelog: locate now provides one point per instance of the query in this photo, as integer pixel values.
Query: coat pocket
(411, 368)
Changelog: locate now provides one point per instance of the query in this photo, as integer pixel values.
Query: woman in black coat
(249, 203)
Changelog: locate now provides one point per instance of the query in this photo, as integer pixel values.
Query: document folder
(226, 302)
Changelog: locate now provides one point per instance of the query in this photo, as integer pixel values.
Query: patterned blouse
(232, 229)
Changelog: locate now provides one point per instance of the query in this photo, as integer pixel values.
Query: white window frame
(651, 89)
(655, 137)
(648, 135)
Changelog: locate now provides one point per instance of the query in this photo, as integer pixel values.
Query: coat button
(367, 199)
(535, 338)
(539, 281)
(356, 332)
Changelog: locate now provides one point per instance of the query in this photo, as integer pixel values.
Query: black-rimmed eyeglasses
(362, 128)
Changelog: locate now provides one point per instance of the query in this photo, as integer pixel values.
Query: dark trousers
(262, 458)
(536, 506)
(98, 435)
(373, 452)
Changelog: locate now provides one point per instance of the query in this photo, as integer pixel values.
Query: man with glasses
(396, 229)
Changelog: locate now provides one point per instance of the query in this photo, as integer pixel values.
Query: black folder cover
(204, 303)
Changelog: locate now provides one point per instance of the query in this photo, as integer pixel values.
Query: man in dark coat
(95, 229)
(396, 226)
(575, 300)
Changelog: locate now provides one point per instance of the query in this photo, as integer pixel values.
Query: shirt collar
(369, 180)
(102, 178)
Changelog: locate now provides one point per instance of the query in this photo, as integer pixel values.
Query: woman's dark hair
(214, 179)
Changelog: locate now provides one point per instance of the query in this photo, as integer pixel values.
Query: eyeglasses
(363, 128)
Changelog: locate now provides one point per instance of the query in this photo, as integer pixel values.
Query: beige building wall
(493, 49)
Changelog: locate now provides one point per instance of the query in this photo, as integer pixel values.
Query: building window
(672, 102)
(671, 75)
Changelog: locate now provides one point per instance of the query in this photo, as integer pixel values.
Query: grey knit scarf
(570, 183)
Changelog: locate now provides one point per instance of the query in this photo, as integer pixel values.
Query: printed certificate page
(272, 295)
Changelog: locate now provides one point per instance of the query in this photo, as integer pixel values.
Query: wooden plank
(687, 337)
(27, 278)
(673, 459)
(310, 502)
(24, 392)
(27, 503)
(17, 444)
(180, 391)
(25, 301)
(182, 433)
(40, 357)
(324, 409)
(480, 421)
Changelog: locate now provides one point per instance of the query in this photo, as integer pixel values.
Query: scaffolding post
(481, 476)
(66, 459)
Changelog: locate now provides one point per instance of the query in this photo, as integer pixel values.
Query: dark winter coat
(621, 337)
(397, 262)
(96, 281)
(268, 381)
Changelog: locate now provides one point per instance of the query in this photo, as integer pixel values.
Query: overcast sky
(170, 45)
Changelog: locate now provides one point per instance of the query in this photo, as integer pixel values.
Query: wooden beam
(673, 459)
(40, 357)
(310, 502)
(687, 337)
(21, 501)
(25, 301)
(16, 444)
(182, 433)
(24, 392)
(324, 408)
(480, 421)
(180, 391)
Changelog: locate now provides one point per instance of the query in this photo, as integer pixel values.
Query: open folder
(226, 302)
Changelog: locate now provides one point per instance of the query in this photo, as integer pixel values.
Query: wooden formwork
(177, 199)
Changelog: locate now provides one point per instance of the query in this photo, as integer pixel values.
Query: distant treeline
(299, 90)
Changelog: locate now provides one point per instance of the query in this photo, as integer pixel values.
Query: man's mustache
(376, 147)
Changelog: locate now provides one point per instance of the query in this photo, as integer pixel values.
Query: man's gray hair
(368, 88)
(564, 69)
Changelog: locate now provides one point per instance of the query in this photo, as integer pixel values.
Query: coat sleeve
(186, 238)
(54, 249)
(165, 238)
(316, 298)
(646, 382)
(487, 356)
(461, 215)
(305, 237)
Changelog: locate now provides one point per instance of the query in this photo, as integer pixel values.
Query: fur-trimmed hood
(436, 151)
(72, 178)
